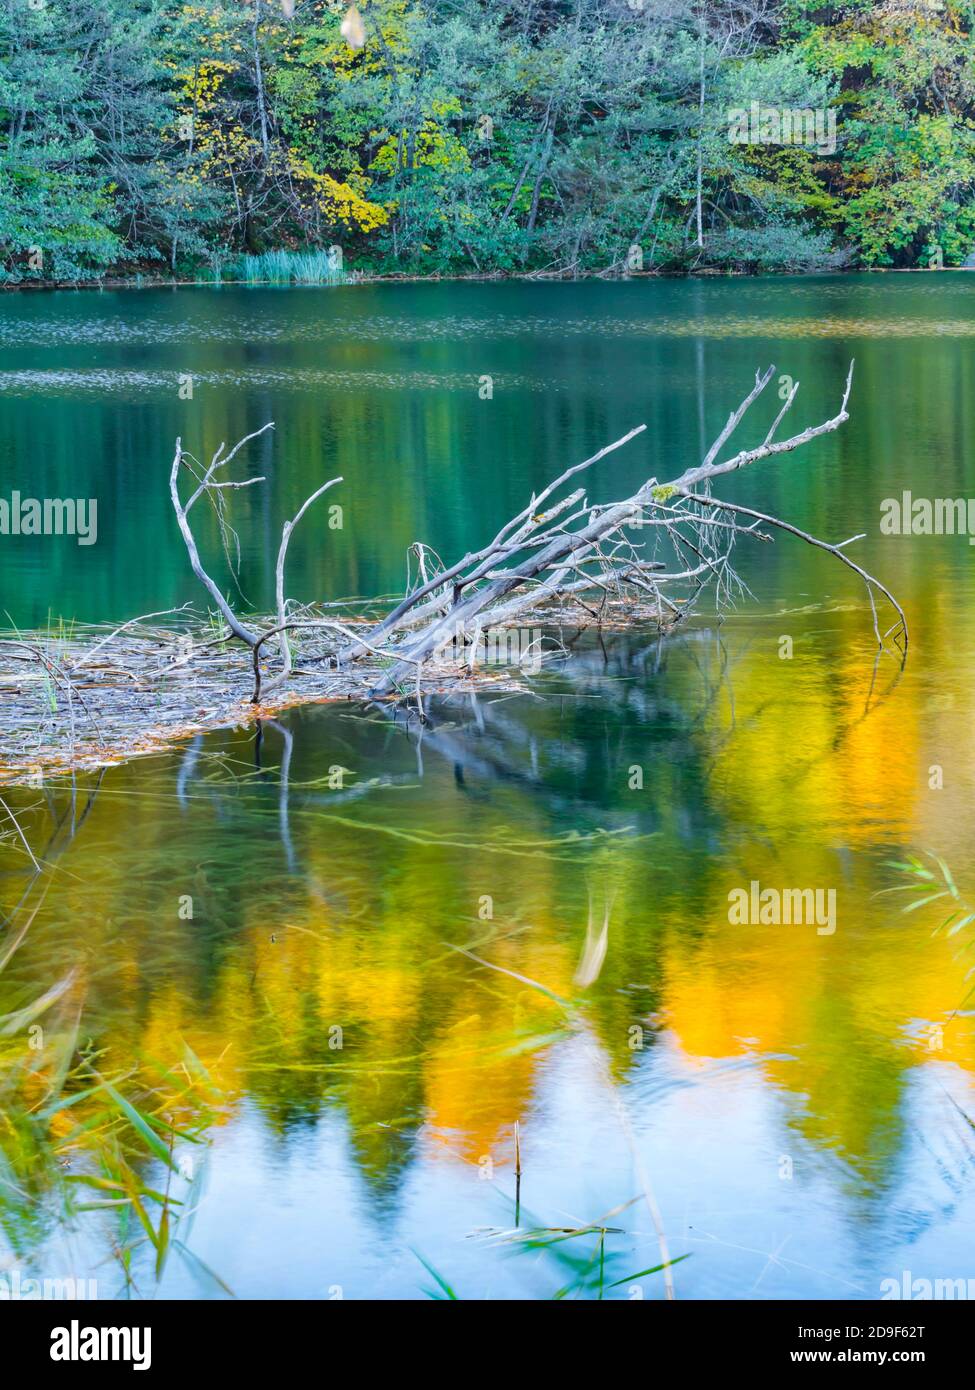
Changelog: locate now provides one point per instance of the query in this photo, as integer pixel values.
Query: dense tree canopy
(474, 136)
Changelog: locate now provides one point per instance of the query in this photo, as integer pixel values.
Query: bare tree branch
(239, 629)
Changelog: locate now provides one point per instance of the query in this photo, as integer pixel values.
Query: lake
(336, 962)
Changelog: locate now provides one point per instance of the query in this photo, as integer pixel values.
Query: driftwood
(555, 548)
(645, 558)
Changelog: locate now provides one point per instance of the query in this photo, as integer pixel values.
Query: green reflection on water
(316, 908)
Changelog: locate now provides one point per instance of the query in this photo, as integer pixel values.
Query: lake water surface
(493, 920)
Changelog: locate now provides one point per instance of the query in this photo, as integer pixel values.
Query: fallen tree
(645, 558)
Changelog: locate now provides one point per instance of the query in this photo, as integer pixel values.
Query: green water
(792, 1096)
(380, 384)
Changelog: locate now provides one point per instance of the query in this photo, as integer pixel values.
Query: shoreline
(133, 282)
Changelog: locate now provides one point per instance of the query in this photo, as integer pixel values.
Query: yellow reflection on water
(320, 971)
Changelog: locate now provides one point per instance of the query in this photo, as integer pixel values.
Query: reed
(61, 1109)
(287, 268)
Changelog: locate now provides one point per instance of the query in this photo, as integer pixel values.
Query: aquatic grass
(643, 1273)
(111, 1135)
(288, 268)
(446, 1292)
(586, 1273)
(115, 1156)
(936, 882)
(20, 1019)
(141, 1124)
(6, 834)
(56, 637)
(134, 1220)
(573, 1014)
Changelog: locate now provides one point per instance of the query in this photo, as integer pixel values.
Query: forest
(307, 139)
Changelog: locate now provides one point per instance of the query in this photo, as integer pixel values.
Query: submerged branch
(837, 550)
(645, 558)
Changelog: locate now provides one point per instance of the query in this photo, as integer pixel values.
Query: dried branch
(646, 557)
(537, 548)
(837, 550)
(286, 532)
(239, 629)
